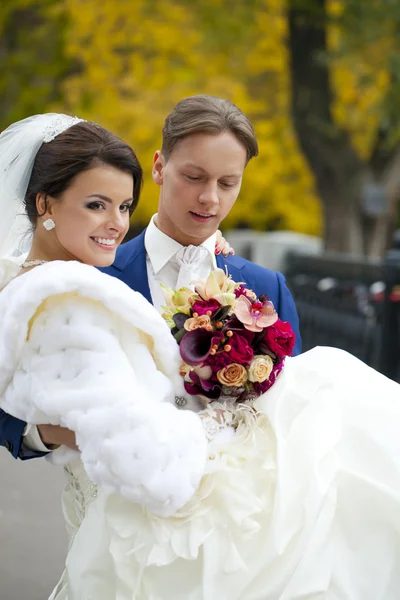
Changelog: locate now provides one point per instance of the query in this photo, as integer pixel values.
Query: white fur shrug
(80, 349)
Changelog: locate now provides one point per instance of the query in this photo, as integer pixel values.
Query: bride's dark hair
(79, 148)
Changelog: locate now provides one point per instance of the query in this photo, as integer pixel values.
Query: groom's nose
(209, 195)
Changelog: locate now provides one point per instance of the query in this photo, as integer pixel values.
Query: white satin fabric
(303, 504)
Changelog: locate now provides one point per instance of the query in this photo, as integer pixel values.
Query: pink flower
(280, 338)
(243, 291)
(201, 307)
(255, 316)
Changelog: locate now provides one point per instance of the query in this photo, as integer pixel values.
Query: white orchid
(218, 286)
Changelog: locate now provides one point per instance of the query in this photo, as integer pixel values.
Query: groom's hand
(54, 435)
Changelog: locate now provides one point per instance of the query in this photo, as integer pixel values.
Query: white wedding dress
(304, 503)
(301, 503)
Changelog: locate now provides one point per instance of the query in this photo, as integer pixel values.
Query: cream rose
(184, 371)
(260, 368)
(232, 375)
(198, 322)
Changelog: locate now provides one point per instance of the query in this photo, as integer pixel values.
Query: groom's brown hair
(207, 114)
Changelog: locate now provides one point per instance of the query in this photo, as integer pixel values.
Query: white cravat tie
(190, 260)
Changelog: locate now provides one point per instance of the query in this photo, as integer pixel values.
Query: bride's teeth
(105, 241)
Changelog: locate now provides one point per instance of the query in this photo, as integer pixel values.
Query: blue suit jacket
(130, 267)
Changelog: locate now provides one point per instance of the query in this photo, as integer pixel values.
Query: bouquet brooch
(231, 342)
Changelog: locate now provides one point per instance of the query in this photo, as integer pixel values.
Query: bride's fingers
(222, 246)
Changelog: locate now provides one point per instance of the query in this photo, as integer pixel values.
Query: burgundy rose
(201, 307)
(218, 361)
(241, 352)
(280, 338)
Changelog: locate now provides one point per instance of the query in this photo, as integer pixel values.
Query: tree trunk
(339, 172)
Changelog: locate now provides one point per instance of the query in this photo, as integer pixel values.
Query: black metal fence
(349, 304)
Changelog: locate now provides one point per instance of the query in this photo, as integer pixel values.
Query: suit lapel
(131, 261)
(233, 271)
(140, 283)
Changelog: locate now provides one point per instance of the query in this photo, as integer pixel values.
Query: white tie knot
(190, 255)
(190, 259)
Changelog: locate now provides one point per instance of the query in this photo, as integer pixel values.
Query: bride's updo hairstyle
(81, 147)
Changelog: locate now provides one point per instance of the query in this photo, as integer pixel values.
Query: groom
(207, 143)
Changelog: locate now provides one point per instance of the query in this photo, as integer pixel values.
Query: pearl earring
(49, 224)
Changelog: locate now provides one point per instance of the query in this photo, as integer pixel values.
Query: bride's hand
(222, 246)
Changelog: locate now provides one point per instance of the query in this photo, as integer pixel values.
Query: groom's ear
(158, 168)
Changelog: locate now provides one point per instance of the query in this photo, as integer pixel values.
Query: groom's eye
(192, 178)
(227, 184)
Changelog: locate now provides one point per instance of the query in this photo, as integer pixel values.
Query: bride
(300, 501)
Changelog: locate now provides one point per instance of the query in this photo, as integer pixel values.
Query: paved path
(32, 536)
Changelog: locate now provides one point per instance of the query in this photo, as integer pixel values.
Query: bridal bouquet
(231, 342)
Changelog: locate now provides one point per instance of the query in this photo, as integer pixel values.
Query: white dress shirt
(162, 268)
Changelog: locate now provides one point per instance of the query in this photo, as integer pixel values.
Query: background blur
(320, 80)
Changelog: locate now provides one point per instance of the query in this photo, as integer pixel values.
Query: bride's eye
(125, 207)
(95, 206)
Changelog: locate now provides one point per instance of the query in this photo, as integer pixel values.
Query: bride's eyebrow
(107, 199)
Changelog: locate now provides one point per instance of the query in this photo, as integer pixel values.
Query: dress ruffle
(303, 504)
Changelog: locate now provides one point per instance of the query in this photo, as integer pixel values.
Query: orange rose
(202, 321)
(232, 375)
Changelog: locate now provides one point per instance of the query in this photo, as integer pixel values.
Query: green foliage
(33, 64)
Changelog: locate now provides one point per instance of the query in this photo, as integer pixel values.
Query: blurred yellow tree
(33, 62)
(125, 64)
(137, 59)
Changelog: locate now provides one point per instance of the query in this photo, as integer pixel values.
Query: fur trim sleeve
(87, 369)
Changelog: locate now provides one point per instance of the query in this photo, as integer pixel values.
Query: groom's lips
(201, 217)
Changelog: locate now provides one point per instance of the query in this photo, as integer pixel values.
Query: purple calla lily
(196, 345)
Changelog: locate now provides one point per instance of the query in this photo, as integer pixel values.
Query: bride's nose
(117, 221)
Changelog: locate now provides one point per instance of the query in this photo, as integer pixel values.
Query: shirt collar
(161, 248)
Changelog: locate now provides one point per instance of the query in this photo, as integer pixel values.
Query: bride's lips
(109, 246)
(201, 217)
